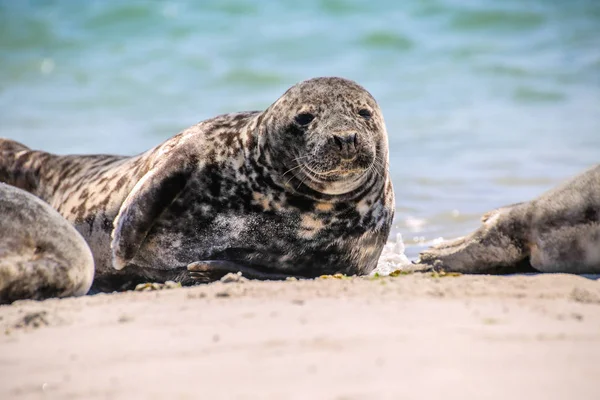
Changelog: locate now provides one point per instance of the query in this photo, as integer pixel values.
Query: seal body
(41, 253)
(557, 232)
(302, 189)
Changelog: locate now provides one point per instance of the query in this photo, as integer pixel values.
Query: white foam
(392, 258)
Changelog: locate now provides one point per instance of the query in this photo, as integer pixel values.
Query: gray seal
(557, 232)
(299, 189)
(41, 253)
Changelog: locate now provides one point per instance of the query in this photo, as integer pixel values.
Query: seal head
(327, 133)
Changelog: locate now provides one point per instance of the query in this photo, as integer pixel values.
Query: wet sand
(409, 337)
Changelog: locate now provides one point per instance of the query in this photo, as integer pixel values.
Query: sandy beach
(413, 336)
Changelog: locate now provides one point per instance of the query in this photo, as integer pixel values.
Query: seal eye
(366, 114)
(304, 118)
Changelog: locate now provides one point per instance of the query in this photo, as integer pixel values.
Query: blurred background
(486, 102)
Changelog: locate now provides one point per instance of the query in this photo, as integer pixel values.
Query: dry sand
(409, 337)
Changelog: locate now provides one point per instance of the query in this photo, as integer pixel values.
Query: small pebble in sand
(334, 276)
(196, 295)
(582, 295)
(233, 277)
(146, 287)
(124, 318)
(32, 320)
(444, 274)
(399, 272)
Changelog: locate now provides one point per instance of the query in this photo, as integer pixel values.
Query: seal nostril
(347, 144)
(353, 139)
(339, 141)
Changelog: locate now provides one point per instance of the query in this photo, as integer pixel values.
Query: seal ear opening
(150, 197)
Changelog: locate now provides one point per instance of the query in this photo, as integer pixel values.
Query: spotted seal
(300, 189)
(41, 253)
(557, 232)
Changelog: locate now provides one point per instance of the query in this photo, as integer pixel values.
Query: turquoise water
(486, 102)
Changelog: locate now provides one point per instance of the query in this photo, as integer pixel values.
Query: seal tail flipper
(17, 167)
(7, 145)
(9, 150)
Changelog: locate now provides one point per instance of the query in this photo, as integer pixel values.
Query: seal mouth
(333, 175)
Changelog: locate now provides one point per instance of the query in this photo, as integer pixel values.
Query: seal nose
(347, 142)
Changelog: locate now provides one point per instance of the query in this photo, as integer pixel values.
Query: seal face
(300, 189)
(327, 135)
(557, 232)
(41, 254)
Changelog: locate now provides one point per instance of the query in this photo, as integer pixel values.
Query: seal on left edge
(41, 254)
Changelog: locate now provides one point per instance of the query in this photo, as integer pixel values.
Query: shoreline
(411, 336)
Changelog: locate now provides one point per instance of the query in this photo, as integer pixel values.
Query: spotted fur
(557, 232)
(257, 189)
(41, 254)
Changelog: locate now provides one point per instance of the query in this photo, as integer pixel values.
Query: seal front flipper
(499, 246)
(154, 192)
(212, 270)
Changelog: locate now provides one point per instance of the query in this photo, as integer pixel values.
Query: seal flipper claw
(212, 270)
